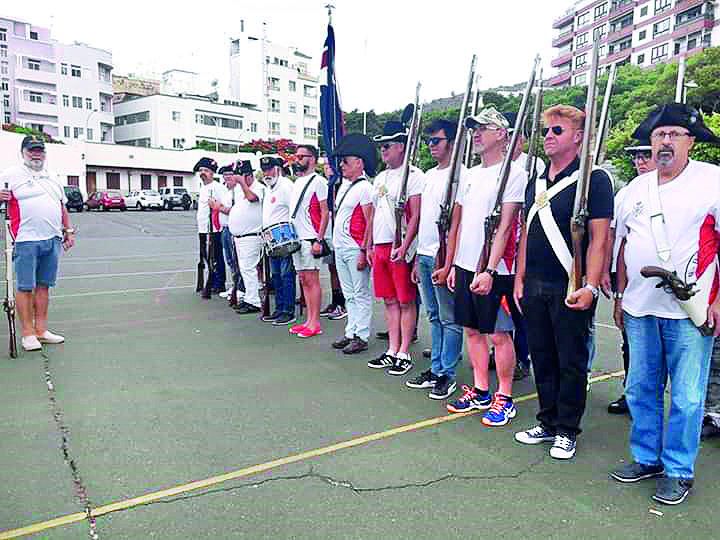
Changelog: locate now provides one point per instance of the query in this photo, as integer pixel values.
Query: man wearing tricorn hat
(351, 237)
(390, 264)
(670, 220)
(223, 206)
(208, 220)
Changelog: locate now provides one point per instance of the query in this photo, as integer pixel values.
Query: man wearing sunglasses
(390, 267)
(438, 300)
(558, 325)
(669, 218)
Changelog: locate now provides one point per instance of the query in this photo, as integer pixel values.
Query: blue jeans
(283, 278)
(355, 287)
(447, 337)
(36, 263)
(660, 348)
(229, 249)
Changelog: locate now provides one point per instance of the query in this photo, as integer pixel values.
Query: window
(176, 116)
(292, 86)
(274, 83)
(661, 27)
(274, 105)
(602, 51)
(274, 128)
(75, 71)
(231, 123)
(66, 131)
(63, 69)
(292, 107)
(642, 35)
(33, 64)
(35, 97)
(73, 181)
(145, 181)
(583, 19)
(89, 134)
(641, 59)
(662, 5)
(3, 34)
(688, 15)
(162, 181)
(253, 127)
(643, 11)
(178, 143)
(693, 40)
(66, 100)
(601, 10)
(309, 110)
(177, 181)
(581, 79)
(4, 85)
(113, 180)
(6, 101)
(78, 132)
(658, 53)
(145, 142)
(310, 132)
(77, 102)
(580, 60)
(293, 129)
(133, 118)
(3, 51)
(310, 91)
(33, 35)
(582, 40)
(88, 103)
(3, 68)
(7, 118)
(599, 32)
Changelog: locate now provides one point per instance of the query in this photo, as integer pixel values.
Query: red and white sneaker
(309, 332)
(296, 329)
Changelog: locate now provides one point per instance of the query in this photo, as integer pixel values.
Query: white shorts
(303, 259)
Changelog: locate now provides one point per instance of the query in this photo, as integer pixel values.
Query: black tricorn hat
(393, 131)
(243, 167)
(268, 162)
(676, 114)
(225, 169)
(32, 141)
(207, 163)
(358, 145)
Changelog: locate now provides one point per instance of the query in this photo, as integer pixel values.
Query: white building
(181, 121)
(60, 89)
(281, 81)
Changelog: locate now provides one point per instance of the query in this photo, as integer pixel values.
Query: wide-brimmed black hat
(32, 141)
(639, 146)
(225, 169)
(358, 145)
(676, 114)
(243, 167)
(206, 162)
(268, 162)
(393, 131)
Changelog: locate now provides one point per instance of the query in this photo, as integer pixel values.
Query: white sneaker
(49, 337)
(563, 447)
(31, 343)
(224, 294)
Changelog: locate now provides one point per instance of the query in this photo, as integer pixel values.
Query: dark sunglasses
(347, 160)
(432, 141)
(557, 130)
(385, 146)
(644, 156)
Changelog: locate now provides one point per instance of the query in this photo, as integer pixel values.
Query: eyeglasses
(432, 141)
(385, 146)
(303, 156)
(347, 160)
(557, 130)
(642, 156)
(674, 135)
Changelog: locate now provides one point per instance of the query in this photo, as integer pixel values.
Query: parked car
(144, 199)
(175, 196)
(105, 200)
(74, 199)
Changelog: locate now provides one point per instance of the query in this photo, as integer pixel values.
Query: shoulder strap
(352, 185)
(657, 223)
(302, 196)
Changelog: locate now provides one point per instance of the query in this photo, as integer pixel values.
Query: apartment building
(641, 32)
(64, 90)
(281, 81)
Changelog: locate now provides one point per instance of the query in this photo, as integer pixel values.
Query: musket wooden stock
(9, 302)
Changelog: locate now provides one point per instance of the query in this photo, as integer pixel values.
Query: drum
(280, 240)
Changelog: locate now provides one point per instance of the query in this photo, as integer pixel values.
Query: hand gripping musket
(578, 222)
(599, 155)
(531, 163)
(493, 220)
(9, 302)
(446, 207)
(411, 146)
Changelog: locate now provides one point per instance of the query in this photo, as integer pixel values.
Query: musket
(599, 155)
(578, 222)
(492, 221)
(477, 105)
(266, 281)
(446, 207)
(211, 263)
(680, 84)
(9, 302)
(531, 163)
(411, 146)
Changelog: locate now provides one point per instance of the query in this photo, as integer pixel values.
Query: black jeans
(557, 337)
(218, 278)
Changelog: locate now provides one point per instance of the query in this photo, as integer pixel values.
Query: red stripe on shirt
(709, 240)
(215, 218)
(357, 225)
(511, 246)
(13, 210)
(315, 215)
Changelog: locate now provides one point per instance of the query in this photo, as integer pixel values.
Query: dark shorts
(487, 314)
(36, 263)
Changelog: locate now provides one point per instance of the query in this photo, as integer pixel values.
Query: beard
(300, 168)
(34, 164)
(665, 156)
(271, 180)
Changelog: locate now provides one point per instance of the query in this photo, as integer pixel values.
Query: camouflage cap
(489, 116)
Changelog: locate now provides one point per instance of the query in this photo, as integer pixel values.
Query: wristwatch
(69, 230)
(618, 296)
(492, 271)
(593, 289)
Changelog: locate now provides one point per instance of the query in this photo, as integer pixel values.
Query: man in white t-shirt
(390, 264)
(481, 295)
(310, 217)
(669, 218)
(439, 302)
(224, 205)
(209, 228)
(40, 226)
(351, 237)
(276, 209)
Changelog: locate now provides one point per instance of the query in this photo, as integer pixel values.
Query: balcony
(562, 38)
(616, 56)
(693, 25)
(560, 60)
(559, 79)
(625, 31)
(621, 7)
(307, 77)
(32, 107)
(565, 18)
(682, 5)
(33, 75)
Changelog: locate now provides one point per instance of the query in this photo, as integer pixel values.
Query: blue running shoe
(469, 401)
(501, 411)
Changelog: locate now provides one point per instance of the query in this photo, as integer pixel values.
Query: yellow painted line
(255, 469)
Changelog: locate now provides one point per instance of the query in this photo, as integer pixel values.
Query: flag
(331, 119)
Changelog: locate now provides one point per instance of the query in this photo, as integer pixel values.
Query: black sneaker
(272, 317)
(709, 429)
(244, 309)
(401, 366)
(425, 380)
(520, 373)
(535, 435)
(284, 319)
(564, 446)
(357, 345)
(619, 406)
(444, 388)
(384, 336)
(672, 490)
(341, 343)
(381, 362)
(427, 353)
(327, 310)
(634, 472)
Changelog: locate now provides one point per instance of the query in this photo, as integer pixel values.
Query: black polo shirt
(541, 262)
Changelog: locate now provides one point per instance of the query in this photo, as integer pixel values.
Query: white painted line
(610, 326)
(128, 274)
(124, 291)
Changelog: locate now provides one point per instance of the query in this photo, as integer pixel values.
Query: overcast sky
(383, 47)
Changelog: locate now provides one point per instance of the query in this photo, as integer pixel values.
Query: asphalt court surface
(160, 389)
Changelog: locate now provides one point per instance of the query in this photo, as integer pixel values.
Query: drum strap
(302, 196)
(339, 203)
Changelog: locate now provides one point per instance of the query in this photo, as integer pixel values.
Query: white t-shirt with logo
(350, 223)
(35, 209)
(691, 208)
(227, 202)
(307, 219)
(476, 195)
(385, 194)
(214, 190)
(276, 204)
(432, 197)
(245, 216)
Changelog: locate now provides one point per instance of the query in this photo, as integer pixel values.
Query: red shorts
(391, 280)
